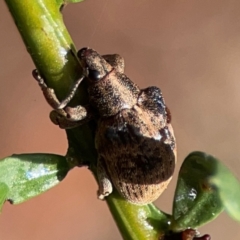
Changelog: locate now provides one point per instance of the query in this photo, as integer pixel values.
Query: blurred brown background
(190, 49)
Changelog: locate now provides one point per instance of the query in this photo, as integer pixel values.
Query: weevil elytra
(134, 137)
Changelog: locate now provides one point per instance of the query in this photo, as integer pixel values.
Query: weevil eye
(94, 75)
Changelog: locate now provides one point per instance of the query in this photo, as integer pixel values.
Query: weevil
(134, 137)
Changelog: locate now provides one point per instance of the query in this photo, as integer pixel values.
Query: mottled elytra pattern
(139, 171)
(134, 137)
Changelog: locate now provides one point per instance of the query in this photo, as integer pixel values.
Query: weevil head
(109, 91)
(95, 66)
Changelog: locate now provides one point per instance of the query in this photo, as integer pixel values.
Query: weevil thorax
(109, 90)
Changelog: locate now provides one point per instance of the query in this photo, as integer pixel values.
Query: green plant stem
(47, 40)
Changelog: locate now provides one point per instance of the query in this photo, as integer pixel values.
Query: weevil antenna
(70, 96)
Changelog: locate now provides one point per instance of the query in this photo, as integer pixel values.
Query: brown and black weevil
(134, 137)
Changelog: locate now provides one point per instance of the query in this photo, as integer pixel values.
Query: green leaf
(27, 175)
(196, 201)
(229, 190)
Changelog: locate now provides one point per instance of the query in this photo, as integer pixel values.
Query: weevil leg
(80, 116)
(105, 185)
(65, 117)
(116, 62)
(50, 95)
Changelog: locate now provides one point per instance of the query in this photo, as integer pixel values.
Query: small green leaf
(27, 175)
(196, 201)
(229, 190)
